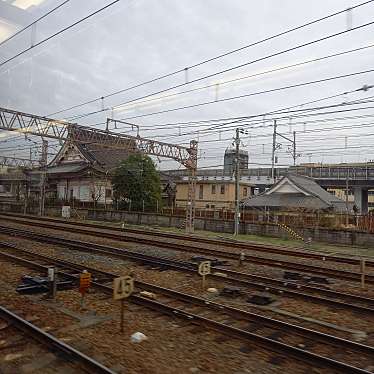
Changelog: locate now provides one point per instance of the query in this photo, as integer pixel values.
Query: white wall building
(82, 172)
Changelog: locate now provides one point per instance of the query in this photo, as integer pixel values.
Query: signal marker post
(123, 287)
(84, 285)
(204, 270)
(52, 279)
(241, 258)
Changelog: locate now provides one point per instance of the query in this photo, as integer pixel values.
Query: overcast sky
(136, 40)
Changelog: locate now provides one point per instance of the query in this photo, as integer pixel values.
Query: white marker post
(123, 287)
(52, 278)
(241, 258)
(204, 269)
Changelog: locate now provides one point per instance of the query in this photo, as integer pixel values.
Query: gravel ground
(171, 347)
(190, 283)
(263, 270)
(23, 356)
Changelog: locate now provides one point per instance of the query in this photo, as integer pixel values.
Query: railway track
(287, 288)
(306, 345)
(51, 343)
(263, 261)
(122, 235)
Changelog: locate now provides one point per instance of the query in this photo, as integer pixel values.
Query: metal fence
(293, 219)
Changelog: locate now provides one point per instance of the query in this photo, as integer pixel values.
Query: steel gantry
(25, 123)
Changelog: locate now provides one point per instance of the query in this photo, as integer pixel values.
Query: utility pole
(346, 198)
(278, 145)
(190, 209)
(27, 193)
(273, 150)
(294, 149)
(43, 169)
(237, 180)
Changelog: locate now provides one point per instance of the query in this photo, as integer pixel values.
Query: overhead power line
(245, 64)
(301, 142)
(300, 133)
(212, 58)
(33, 23)
(250, 94)
(213, 75)
(119, 106)
(225, 119)
(282, 115)
(210, 76)
(60, 32)
(288, 114)
(227, 126)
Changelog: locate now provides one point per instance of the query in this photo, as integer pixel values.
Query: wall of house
(84, 190)
(211, 195)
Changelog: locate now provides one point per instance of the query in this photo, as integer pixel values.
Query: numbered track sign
(123, 287)
(204, 268)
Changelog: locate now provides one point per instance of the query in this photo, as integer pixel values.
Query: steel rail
(186, 266)
(311, 269)
(52, 343)
(264, 342)
(282, 250)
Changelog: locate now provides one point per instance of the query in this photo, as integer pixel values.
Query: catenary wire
(213, 58)
(34, 22)
(58, 32)
(213, 75)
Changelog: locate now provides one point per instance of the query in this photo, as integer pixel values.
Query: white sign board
(65, 213)
(204, 268)
(122, 287)
(51, 274)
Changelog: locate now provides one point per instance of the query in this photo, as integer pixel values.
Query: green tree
(136, 179)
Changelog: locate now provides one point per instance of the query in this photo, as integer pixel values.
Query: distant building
(212, 192)
(229, 160)
(12, 184)
(82, 172)
(297, 192)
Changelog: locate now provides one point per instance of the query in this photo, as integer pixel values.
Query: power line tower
(43, 175)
